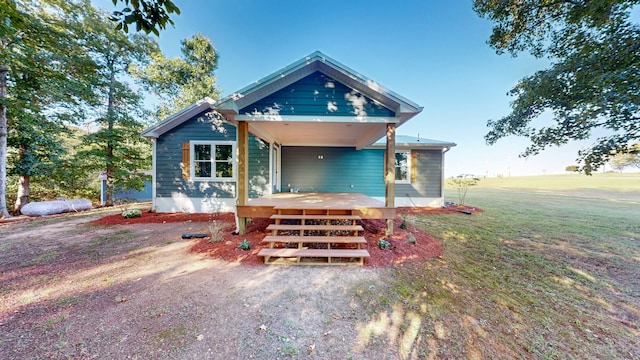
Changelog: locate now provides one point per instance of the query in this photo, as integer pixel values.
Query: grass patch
(43, 258)
(115, 237)
(175, 333)
(535, 275)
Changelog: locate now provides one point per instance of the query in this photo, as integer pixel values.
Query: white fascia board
(178, 118)
(318, 119)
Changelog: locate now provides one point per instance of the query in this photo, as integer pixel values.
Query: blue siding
(169, 182)
(337, 171)
(317, 94)
(429, 173)
(341, 167)
(259, 179)
(144, 194)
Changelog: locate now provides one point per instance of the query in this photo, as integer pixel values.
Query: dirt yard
(73, 287)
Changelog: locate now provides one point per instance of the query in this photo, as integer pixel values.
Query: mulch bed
(227, 247)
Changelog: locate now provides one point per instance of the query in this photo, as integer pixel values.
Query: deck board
(352, 203)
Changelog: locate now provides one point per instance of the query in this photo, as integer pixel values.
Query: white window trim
(192, 157)
(408, 181)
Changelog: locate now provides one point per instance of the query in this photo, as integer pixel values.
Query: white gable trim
(178, 118)
(317, 118)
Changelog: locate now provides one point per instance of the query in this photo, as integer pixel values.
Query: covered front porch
(316, 102)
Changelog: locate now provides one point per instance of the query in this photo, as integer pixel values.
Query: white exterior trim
(154, 176)
(317, 119)
(409, 174)
(194, 205)
(213, 143)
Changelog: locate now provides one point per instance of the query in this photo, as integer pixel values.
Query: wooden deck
(316, 203)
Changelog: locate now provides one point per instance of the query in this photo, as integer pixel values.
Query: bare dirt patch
(95, 286)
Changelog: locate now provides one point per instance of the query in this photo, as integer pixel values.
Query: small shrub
(383, 244)
(244, 245)
(462, 183)
(411, 239)
(216, 229)
(128, 214)
(404, 224)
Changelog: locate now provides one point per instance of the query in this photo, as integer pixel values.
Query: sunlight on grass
(582, 273)
(536, 275)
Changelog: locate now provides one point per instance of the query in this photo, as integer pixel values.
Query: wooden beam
(390, 173)
(243, 172)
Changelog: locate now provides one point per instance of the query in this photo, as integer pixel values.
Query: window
(403, 166)
(213, 160)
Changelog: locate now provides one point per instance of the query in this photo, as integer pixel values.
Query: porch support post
(243, 172)
(390, 173)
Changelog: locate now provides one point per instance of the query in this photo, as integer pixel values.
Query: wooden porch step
(315, 227)
(314, 253)
(315, 239)
(315, 217)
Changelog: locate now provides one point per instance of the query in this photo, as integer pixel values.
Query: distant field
(607, 181)
(598, 185)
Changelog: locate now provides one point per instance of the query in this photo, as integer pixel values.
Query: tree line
(72, 99)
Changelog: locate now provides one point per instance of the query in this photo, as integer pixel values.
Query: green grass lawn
(627, 182)
(549, 270)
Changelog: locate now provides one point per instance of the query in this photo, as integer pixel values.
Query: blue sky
(432, 52)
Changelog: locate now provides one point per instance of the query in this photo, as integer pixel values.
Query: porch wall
(333, 169)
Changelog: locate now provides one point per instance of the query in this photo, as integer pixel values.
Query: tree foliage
(180, 81)
(46, 75)
(150, 16)
(115, 146)
(621, 161)
(61, 63)
(572, 168)
(592, 84)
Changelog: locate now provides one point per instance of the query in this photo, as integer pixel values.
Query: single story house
(313, 126)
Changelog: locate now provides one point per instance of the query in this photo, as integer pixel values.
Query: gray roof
(411, 142)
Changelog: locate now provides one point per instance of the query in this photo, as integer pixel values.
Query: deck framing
(316, 203)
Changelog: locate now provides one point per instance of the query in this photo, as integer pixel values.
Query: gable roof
(318, 61)
(357, 130)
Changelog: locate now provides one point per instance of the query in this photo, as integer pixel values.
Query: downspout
(153, 173)
(446, 149)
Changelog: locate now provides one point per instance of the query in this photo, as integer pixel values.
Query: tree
(116, 146)
(148, 15)
(593, 82)
(462, 183)
(181, 81)
(43, 76)
(572, 168)
(620, 161)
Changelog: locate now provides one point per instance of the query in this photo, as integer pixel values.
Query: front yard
(536, 275)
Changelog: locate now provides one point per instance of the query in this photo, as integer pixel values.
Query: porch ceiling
(289, 133)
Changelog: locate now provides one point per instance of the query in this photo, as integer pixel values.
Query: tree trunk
(110, 120)
(3, 143)
(23, 194)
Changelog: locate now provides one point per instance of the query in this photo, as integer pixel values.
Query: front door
(275, 168)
